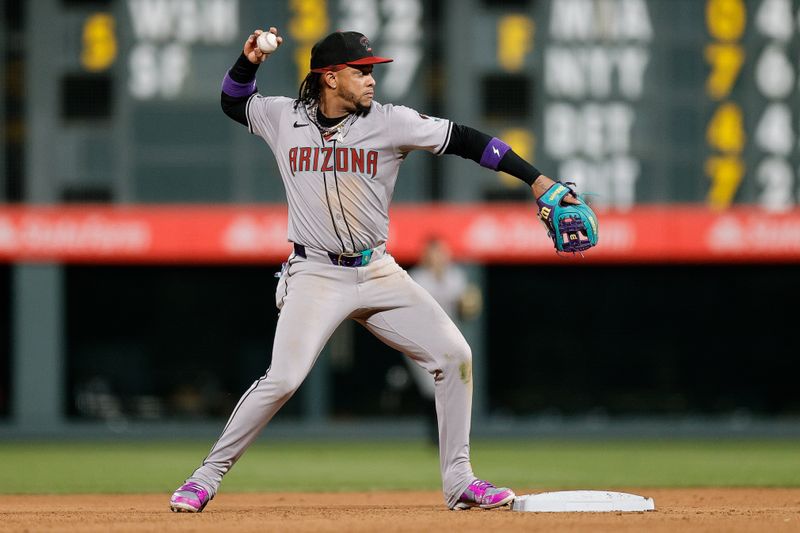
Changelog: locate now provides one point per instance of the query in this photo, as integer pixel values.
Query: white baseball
(267, 42)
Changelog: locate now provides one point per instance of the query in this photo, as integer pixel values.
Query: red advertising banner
(488, 233)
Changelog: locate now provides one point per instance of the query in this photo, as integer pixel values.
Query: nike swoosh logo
(296, 125)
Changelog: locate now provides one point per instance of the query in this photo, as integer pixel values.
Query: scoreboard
(640, 101)
(134, 111)
(637, 101)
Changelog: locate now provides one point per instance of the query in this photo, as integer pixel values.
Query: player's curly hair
(309, 90)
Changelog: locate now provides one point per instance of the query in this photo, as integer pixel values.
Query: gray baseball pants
(314, 297)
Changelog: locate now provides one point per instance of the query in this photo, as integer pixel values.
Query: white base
(568, 501)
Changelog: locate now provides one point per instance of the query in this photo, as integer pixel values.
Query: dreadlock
(309, 90)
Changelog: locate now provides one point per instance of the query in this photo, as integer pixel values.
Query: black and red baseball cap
(341, 49)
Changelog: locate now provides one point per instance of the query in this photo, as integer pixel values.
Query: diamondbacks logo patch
(365, 43)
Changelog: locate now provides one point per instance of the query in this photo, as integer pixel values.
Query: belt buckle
(366, 256)
(359, 259)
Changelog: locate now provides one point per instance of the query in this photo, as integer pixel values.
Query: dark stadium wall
(5, 339)
(644, 340)
(184, 342)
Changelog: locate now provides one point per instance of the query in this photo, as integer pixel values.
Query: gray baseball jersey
(339, 185)
(339, 188)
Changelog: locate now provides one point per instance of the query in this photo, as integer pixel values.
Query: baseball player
(339, 151)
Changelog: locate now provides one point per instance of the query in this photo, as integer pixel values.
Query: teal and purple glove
(571, 227)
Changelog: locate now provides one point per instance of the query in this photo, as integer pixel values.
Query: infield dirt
(681, 510)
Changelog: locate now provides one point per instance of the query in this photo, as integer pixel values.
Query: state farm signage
(488, 233)
(64, 234)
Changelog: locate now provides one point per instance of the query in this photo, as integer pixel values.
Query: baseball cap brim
(371, 60)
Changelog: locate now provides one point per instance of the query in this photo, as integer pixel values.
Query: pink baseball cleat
(190, 497)
(484, 495)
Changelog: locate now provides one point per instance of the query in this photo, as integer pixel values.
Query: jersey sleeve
(264, 115)
(412, 130)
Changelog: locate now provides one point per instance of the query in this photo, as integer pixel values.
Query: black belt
(356, 259)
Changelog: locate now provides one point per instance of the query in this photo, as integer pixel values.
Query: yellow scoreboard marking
(514, 41)
(726, 21)
(309, 23)
(726, 61)
(99, 42)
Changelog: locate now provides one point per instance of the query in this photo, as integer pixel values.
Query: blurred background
(140, 228)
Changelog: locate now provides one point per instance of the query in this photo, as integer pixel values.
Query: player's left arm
(493, 153)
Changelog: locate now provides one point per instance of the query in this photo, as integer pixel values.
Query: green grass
(131, 467)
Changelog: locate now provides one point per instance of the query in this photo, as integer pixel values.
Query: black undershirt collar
(326, 122)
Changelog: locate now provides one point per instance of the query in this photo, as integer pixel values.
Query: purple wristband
(236, 89)
(493, 153)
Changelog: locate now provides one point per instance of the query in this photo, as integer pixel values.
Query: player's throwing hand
(251, 49)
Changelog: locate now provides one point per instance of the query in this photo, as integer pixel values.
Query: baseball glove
(571, 227)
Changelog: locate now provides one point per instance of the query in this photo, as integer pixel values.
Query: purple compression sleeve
(493, 153)
(236, 89)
